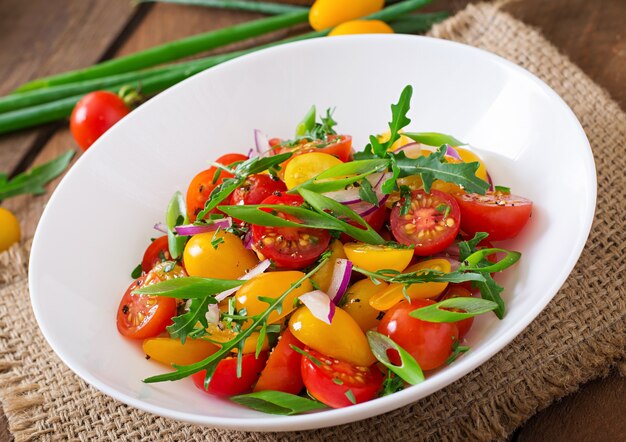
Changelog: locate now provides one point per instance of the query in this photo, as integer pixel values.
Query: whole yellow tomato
(357, 303)
(306, 166)
(373, 258)
(326, 14)
(9, 229)
(342, 339)
(217, 255)
(361, 27)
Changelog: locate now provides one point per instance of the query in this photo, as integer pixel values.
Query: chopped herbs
(503, 189)
(350, 395)
(457, 350)
(136, 273)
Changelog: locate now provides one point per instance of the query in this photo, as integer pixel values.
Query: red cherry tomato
(376, 220)
(141, 316)
(501, 215)
(339, 146)
(225, 382)
(256, 188)
(430, 343)
(94, 114)
(282, 372)
(203, 184)
(330, 380)
(431, 224)
(156, 252)
(457, 291)
(289, 247)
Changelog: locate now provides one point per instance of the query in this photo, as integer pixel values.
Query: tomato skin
(339, 146)
(329, 13)
(361, 27)
(202, 184)
(94, 114)
(9, 229)
(363, 382)
(302, 168)
(255, 189)
(156, 252)
(225, 381)
(289, 247)
(282, 371)
(357, 303)
(141, 316)
(374, 258)
(502, 216)
(376, 220)
(430, 343)
(430, 230)
(170, 351)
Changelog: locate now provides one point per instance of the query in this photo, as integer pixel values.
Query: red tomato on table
(94, 114)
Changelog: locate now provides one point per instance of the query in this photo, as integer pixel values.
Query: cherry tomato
(203, 184)
(255, 189)
(158, 251)
(373, 258)
(342, 339)
(324, 275)
(501, 215)
(282, 371)
(357, 303)
(271, 285)
(328, 380)
(225, 382)
(289, 247)
(430, 343)
(376, 220)
(329, 13)
(94, 114)
(431, 224)
(361, 27)
(141, 316)
(9, 229)
(217, 255)
(170, 351)
(457, 291)
(306, 166)
(339, 146)
(219, 334)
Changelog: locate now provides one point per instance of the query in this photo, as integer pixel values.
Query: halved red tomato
(289, 247)
(339, 384)
(282, 372)
(156, 252)
(256, 188)
(376, 220)
(225, 382)
(203, 184)
(499, 214)
(431, 224)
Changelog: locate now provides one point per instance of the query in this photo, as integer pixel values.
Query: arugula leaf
(366, 192)
(32, 181)
(477, 261)
(189, 287)
(409, 370)
(398, 121)
(439, 312)
(457, 349)
(277, 402)
(184, 324)
(433, 138)
(466, 248)
(419, 276)
(435, 167)
(391, 184)
(490, 290)
(392, 384)
(136, 273)
(342, 175)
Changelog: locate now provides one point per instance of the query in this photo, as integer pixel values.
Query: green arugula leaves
(277, 402)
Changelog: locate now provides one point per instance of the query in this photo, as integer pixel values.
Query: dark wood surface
(41, 37)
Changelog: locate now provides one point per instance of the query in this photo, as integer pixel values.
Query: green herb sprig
(277, 402)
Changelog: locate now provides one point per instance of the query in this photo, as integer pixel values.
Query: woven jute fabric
(578, 336)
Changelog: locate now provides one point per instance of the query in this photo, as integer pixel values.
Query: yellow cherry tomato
(342, 339)
(373, 258)
(469, 157)
(171, 351)
(223, 334)
(357, 303)
(324, 276)
(402, 141)
(217, 255)
(386, 299)
(9, 229)
(306, 166)
(361, 27)
(271, 285)
(326, 14)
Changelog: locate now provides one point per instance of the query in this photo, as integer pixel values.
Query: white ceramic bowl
(97, 224)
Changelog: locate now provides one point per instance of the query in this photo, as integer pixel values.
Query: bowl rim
(378, 406)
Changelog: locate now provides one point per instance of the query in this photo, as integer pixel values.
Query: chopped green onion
(438, 312)
(241, 5)
(189, 287)
(473, 262)
(409, 370)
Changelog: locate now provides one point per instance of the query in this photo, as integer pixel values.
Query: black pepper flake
(147, 357)
(125, 309)
(380, 316)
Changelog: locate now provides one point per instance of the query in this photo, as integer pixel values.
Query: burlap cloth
(578, 337)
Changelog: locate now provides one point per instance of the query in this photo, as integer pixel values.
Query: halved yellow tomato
(342, 339)
(395, 292)
(324, 276)
(373, 258)
(357, 303)
(170, 351)
(223, 334)
(304, 167)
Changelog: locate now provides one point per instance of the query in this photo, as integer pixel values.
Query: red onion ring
(191, 229)
(452, 152)
(340, 280)
(254, 271)
(319, 304)
(261, 142)
(490, 181)
(160, 227)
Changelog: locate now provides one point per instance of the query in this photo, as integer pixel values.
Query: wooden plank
(42, 37)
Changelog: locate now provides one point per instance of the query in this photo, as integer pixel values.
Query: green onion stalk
(241, 5)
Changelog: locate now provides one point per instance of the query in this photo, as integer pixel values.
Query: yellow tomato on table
(306, 166)
(329, 13)
(373, 258)
(9, 229)
(219, 255)
(361, 27)
(342, 339)
(357, 303)
(395, 292)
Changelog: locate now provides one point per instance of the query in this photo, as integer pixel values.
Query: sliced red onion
(340, 280)
(252, 153)
(409, 149)
(452, 152)
(454, 263)
(213, 314)
(257, 270)
(247, 240)
(350, 197)
(320, 305)
(490, 181)
(191, 229)
(453, 250)
(161, 227)
(261, 142)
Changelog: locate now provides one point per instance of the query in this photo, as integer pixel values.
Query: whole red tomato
(94, 114)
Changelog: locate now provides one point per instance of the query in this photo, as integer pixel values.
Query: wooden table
(42, 37)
